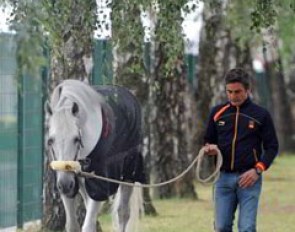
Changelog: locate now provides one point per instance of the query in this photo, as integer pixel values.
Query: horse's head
(64, 142)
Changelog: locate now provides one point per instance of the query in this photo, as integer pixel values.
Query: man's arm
(270, 143)
(210, 138)
(270, 146)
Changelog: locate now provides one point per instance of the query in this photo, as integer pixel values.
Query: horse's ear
(75, 109)
(47, 107)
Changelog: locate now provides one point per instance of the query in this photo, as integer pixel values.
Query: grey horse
(101, 128)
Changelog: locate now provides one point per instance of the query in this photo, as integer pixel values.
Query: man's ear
(249, 92)
(47, 108)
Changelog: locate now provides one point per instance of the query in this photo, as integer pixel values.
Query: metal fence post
(20, 163)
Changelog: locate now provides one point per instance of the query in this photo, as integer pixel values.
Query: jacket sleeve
(269, 141)
(211, 132)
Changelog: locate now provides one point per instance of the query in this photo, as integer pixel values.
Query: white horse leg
(121, 210)
(127, 206)
(72, 224)
(92, 209)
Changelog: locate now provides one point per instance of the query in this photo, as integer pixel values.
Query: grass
(276, 211)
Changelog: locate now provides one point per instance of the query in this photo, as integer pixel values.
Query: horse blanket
(117, 153)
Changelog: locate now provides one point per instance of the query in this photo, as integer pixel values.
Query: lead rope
(198, 159)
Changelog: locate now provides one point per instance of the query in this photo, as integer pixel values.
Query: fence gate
(21, 140)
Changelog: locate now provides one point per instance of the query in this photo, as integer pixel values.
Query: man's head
(237, 84)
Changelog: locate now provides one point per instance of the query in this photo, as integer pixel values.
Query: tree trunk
(54, 214)
(281, 105)
(281, 109)
(170, 138)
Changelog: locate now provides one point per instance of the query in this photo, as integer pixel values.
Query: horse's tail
(135, 209)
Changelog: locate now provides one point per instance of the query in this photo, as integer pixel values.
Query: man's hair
(238, 75)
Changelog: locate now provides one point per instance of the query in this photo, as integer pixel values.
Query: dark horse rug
(117, 153)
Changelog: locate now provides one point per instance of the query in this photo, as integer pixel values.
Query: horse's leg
(128, 205)
(92, 210)
(122, 208)
(72, 224)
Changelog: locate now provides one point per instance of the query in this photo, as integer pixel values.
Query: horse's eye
(50, 141)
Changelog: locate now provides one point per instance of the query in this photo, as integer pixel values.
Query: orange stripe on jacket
(220, 112)
(261, 166)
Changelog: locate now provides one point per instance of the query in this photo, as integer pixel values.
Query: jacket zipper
(255, 155)
(233, 148)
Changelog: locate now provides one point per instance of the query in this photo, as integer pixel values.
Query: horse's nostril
(71, 185)
(59, 186)
(66, 186)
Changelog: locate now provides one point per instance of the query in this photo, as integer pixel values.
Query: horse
(99, 126)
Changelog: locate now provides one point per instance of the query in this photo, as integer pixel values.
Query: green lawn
(276, 212)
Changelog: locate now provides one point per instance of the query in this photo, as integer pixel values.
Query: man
(245, 134)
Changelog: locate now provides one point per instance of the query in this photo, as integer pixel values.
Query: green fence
(8, 132)
(21, 140)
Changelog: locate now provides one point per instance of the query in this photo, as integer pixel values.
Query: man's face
(236, 93)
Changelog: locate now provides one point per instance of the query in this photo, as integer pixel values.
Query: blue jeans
(228, 196)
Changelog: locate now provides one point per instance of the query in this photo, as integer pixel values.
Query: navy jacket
(245, 136)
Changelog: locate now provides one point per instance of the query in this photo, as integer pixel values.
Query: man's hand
(210, 149)
(247, 179)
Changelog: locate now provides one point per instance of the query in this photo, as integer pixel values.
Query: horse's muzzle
(68, 185)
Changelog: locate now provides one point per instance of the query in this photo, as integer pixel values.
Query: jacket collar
(245, 103)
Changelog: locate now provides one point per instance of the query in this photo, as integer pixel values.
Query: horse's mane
(76, 91)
